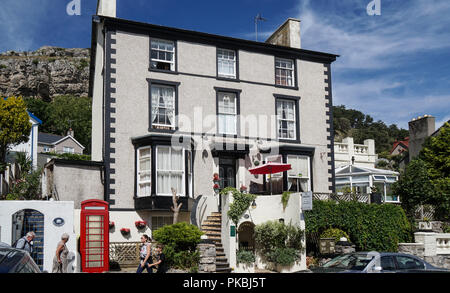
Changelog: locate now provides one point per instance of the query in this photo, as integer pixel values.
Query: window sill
(163, 71)
(289, 140)
(162, 130)
(233, 79)
(286, 87)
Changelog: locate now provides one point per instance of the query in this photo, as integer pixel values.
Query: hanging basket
(140, 224)
(125, 231)
(111, 225)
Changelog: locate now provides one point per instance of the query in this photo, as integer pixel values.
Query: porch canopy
(270, 168)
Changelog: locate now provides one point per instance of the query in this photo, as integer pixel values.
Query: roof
(403, 143)
(34, 117)
(347, 169)
(53, 139)
(48, 138)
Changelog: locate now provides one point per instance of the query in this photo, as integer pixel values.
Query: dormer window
(162, 55)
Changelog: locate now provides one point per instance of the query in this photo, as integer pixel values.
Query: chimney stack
(288, 34)
(419, 130)
(106, 8)
(71, 132)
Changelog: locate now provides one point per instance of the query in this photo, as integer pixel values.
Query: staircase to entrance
(212, 227)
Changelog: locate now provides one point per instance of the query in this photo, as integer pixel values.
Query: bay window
(162, 55)
(299, 175)
(284, 72)
(144, 171)
(226, 63)
(169, 170)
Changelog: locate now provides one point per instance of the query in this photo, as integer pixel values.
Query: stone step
(221, 259)
(222, 265)
(211, 218)
(213, 233)
(223, 270)
(212, 223)
(216, 214)
(211, 227)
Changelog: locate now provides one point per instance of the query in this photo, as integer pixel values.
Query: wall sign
(58, 222)
(307, 204)
(232, 231)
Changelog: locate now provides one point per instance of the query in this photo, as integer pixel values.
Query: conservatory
(363, 180)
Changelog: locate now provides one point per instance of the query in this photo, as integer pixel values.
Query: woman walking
(145, 255)
(60, 259)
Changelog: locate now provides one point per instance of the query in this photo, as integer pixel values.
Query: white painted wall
(30, 147)
(268, 208)
(52, 233)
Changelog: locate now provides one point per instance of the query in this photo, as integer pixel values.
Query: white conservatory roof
(357, 170)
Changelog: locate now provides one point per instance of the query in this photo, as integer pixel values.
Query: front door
(227, 172)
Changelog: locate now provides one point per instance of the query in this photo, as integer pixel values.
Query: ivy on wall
(241, 202)
(370, 226)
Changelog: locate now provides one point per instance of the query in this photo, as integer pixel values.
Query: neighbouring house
(400, 147)
(362, 180)
(347, 152)
(52, 143)
(31, 146)
(420, 129)
(174, 108)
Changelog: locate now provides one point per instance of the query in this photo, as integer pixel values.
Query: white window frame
(302, 177)
(190, 173)
(290, 70)
(279, 119)
(273, 158)
(172, 125)
(228, 114)
(68, 150)
(172, 63)
(234, 61)
(46, 149)
(138, 181)
(183, 180)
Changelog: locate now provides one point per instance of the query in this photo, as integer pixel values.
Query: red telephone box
(94, 238)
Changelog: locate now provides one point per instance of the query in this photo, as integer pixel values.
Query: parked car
(13, 260)
(370, 262)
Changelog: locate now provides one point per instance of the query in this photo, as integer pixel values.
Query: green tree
(436, 153)
(414, 186)
(15, 125)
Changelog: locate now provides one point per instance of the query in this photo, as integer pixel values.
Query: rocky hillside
(45, 73)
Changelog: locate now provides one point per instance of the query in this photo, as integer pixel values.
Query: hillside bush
(370, 226)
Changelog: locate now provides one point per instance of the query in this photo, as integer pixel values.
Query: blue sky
(395, 66)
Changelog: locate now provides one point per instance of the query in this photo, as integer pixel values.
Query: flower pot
(140, 224)
(125, 231)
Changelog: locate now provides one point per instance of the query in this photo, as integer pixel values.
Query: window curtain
(163, 105)
(169, 170)
(144, 175)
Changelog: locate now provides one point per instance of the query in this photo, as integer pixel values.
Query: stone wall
(207, 257)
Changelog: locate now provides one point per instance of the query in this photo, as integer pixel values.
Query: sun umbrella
(270, 168)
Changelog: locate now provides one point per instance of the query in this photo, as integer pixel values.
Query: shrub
(285, 199)
(283, 256)
(334, 233)
(180, 243)
(245, 257)
(370, 226)
(278, 241)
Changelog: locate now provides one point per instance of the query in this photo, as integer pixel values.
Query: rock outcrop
(45, 73)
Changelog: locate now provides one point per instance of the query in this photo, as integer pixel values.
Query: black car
(13, 260)
(374, 262)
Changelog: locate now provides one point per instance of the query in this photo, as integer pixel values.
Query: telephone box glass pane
(94, 241)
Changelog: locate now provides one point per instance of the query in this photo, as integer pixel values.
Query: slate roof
(48, 138)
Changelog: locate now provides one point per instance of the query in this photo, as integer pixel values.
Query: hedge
(370, 226)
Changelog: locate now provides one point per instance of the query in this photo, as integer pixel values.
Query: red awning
(270, 168)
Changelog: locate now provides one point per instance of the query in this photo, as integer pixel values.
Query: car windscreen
(9, 259)
(355, 262)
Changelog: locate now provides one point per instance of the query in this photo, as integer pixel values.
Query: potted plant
(125, 231)
(243, 189)
(111, 225)
(140, 224)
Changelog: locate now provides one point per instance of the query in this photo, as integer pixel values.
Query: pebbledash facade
(172, 107)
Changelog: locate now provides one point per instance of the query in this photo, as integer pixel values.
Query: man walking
(25, 242)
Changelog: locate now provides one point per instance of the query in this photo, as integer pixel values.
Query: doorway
(227, 172)
(25, 221)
